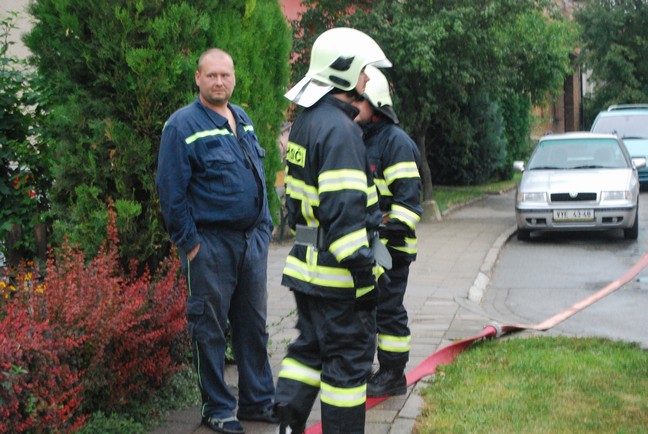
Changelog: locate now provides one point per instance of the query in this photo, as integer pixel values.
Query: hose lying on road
(493, 330)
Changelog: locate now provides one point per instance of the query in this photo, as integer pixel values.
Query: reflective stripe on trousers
(339, 342)
(391, 318)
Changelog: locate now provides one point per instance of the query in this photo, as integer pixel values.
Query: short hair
(213, 52)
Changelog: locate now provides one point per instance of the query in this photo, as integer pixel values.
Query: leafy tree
(614, 43)
(318, 16)
(516, 110)
(461, 55)
(447, 54)
(117, 71)
(536, 44)
(537, 52)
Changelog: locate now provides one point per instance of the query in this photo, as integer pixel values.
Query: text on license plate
(573, 215)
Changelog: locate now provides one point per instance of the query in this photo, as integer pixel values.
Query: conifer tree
(117, 70)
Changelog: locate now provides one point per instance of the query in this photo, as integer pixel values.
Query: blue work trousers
(228, 281)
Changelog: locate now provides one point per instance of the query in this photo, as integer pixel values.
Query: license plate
(573, 215)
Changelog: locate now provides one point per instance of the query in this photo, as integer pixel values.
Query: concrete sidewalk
(443, 298)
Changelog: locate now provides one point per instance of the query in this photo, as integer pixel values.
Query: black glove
(360, 264)
(394, 232)
(364, 278)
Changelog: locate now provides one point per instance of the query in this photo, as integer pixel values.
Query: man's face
(215, 79)
(362, 82)
(366, 111)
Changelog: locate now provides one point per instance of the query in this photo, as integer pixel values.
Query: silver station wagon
(578, 181)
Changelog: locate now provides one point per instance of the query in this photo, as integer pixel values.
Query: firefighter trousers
(332, 356)
(391, 318)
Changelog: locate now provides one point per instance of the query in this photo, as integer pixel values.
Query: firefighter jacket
(329, 190)
(209, 176)
(394, 160)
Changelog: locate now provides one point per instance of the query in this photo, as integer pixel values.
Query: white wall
(23, 21)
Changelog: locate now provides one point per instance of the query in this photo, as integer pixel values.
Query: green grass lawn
(540, 385)
(448, 196)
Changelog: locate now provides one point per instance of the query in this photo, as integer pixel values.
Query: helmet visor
(308, 91)
(382, 63)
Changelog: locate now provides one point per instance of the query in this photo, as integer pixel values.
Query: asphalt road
(533, 281)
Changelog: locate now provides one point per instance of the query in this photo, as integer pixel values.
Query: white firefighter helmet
(377, 93)
(337, 58)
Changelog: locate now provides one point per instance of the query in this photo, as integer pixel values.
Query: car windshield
(577, 154)
(633, 126)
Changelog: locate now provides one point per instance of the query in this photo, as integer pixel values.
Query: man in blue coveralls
(213, 198)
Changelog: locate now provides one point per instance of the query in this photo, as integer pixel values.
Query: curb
(476, 291)
(414, 402)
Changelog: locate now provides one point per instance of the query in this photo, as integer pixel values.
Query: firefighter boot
(387, 381)
(286, 429)
(288, 420)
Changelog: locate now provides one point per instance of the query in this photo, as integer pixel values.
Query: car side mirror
(519, 165)
(639, 162)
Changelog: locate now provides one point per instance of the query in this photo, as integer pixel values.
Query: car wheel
(523, 234)
(633, 232)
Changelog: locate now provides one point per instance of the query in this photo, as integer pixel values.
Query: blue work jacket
(207, 176)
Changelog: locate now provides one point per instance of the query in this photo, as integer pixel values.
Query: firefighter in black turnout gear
(394, 159)
(333, 208)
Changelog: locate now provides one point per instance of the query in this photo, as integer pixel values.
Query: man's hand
(192, 254)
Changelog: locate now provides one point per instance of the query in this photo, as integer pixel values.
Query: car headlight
(532, 197)
(616, 195)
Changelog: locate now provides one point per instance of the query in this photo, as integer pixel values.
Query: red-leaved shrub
(115, 339)
(38, 392)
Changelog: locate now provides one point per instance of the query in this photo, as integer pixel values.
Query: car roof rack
(627, 107)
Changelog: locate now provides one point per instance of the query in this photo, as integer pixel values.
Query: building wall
(562, 112)
(17, 49)
(291, 8)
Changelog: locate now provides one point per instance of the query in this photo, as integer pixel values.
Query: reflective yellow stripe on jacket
(343, 179)
(404, 215)
(333, 277)
(410, 246)
(348, 244)
(317, 274)
(207, 133)
(381, 185)
(307, 194)
(406, 169)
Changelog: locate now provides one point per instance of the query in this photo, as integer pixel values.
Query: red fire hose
(493, 330)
